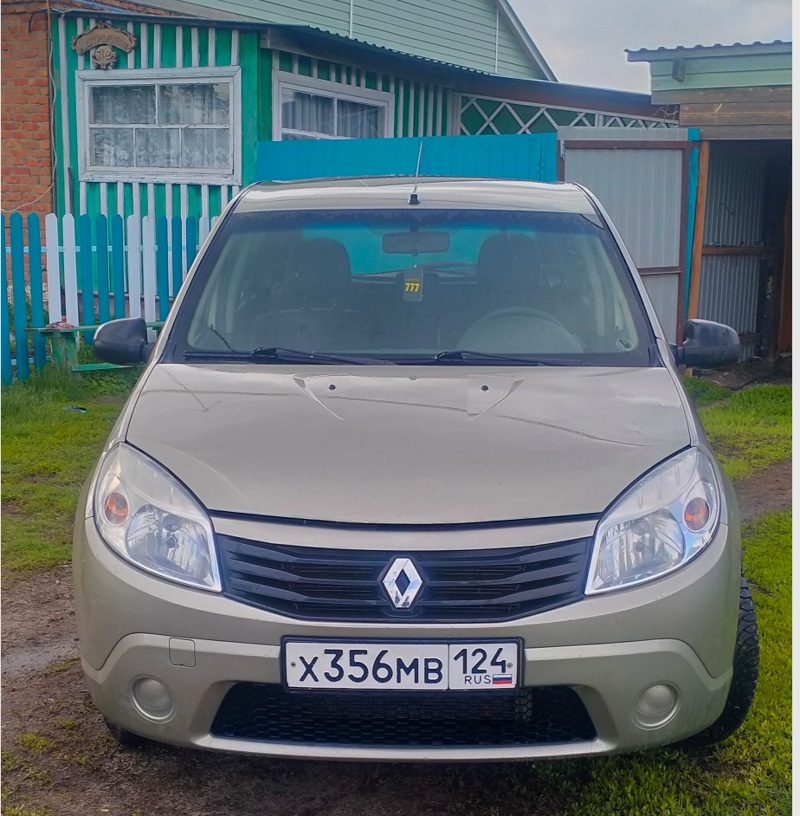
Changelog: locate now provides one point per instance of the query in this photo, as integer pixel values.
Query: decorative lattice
(479, 115)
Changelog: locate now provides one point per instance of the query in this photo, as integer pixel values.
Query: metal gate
(647, 182)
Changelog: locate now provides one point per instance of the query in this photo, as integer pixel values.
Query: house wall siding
(462, 32)
(723, 72)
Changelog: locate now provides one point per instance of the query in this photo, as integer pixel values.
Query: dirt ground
(774, 372)
(59, 759)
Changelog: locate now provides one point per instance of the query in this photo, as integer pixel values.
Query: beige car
(410, 474)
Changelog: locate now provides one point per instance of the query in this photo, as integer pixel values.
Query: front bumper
(678, 631)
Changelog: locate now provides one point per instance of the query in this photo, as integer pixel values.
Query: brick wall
(25, 111)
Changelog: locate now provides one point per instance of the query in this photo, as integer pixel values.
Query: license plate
(405, 665)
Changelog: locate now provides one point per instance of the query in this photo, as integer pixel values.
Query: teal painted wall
(420, 109)
(158, 46)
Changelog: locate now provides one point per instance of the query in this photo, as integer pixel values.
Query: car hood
(408, 445)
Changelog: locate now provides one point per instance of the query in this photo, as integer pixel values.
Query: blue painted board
(118, 265)
(191, 241)
(103, 301)
(5, 330)
(86, 273)
(177, 253)
(528, 156)
(19, 296)
(37, 290)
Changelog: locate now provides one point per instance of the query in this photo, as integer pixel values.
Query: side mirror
(707, 344)
(123, 341)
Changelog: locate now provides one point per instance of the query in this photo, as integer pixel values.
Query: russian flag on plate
(502, 680)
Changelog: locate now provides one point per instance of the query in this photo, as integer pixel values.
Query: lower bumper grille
(528, 716)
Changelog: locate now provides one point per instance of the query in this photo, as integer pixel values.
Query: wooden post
(699, 228)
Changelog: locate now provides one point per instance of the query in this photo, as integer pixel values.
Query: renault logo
(402, 583)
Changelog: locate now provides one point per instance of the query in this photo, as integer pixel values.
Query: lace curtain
(161, 125)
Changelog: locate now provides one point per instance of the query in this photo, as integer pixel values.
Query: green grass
(704, 392)
(751, 772)
(751, 429)
(48, 451)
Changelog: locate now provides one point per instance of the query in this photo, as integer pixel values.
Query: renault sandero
(410, 474)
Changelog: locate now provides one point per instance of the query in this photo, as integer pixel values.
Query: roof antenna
(413, 199)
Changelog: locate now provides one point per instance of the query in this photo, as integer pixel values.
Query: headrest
(318, 266)
(507, 262)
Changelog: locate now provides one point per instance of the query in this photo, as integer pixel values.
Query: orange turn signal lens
(116, 508)
(696, 514)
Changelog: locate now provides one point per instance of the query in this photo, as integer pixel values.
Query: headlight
(151, 520)
(658, 525)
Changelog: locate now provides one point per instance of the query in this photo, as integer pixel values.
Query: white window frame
(336, 90)
(85, 80)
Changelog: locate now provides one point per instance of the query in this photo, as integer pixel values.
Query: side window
(160, 125)
(317, 109)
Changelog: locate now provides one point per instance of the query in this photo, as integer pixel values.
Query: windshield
(410, 285)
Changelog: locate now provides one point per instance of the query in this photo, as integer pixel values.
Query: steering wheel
(560, 334)
(519, 311)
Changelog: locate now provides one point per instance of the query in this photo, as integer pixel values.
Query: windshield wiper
(276, 354)
(465, 355)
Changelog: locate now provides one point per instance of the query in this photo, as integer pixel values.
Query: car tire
(125, 738)
(745, 675)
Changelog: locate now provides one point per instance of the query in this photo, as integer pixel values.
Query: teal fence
(88, 270)
(529, 157)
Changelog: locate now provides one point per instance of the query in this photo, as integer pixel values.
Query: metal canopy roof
(736, 49)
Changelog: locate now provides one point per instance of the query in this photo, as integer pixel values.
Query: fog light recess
(152, 698)
(657, 706)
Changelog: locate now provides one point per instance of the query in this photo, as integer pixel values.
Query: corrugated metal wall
(734, 203)
(733, 218)
(641, 189)
(642, 192)
(729, 290)
(663, 291)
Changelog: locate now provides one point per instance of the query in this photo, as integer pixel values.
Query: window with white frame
(312, 108)
(176, 124)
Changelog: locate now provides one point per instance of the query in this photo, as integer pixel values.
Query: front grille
(345, 585)
(528, 716)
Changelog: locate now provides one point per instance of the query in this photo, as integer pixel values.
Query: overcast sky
(584, 41)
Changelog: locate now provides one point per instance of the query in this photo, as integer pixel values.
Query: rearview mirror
(415, 242)
(122, 341)
(707, 344)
